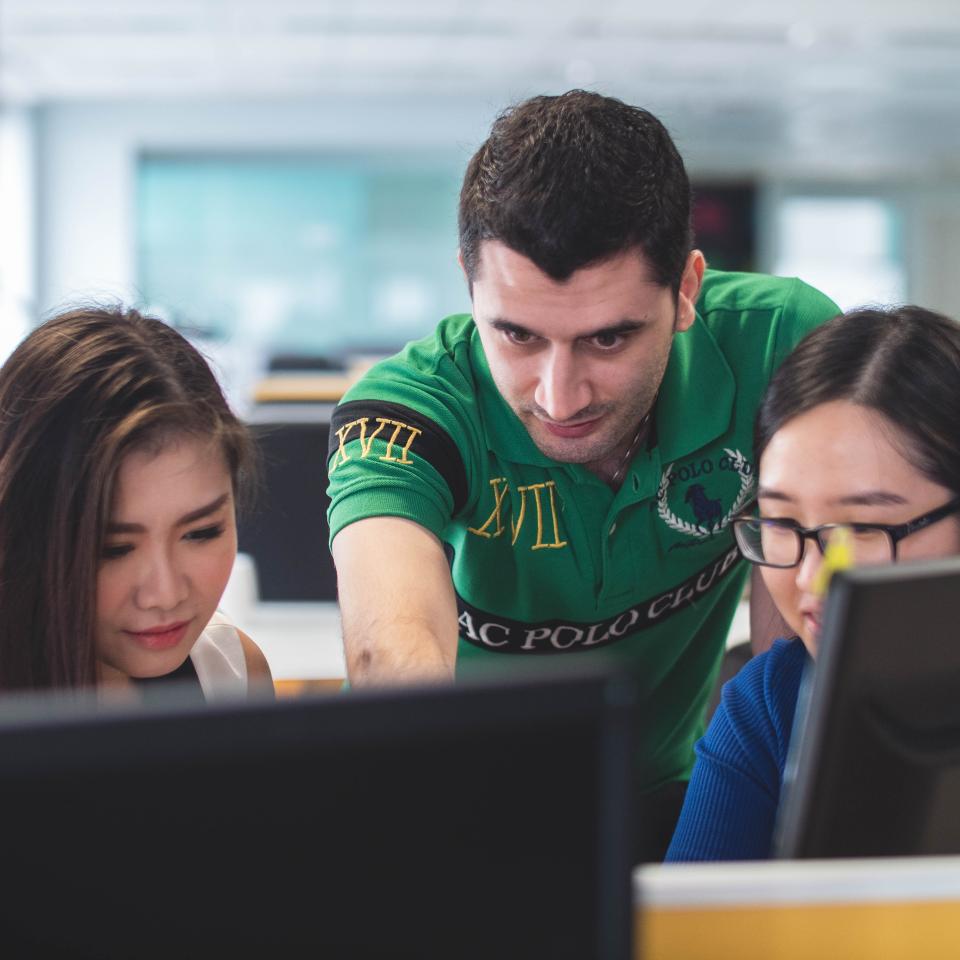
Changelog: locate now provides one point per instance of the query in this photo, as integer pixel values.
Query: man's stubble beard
(596, 449)
(590, 449)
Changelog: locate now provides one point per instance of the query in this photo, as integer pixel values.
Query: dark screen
(874, 768)
(467, 822)
(285, 531)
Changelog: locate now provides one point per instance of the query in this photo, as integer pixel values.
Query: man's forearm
(404, 658)
(405, 631)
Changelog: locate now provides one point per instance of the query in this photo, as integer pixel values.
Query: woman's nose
(809, 567)
(163, 585)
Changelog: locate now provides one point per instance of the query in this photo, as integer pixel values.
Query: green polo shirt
(549, 561)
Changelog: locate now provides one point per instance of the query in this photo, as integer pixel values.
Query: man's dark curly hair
(572, 180)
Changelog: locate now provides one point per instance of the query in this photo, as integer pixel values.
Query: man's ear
(463, 267)
(690, 282)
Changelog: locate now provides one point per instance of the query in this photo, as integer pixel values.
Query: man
(579, 444)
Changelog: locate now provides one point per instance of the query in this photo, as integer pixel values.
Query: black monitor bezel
(71, 731)
(805, 797)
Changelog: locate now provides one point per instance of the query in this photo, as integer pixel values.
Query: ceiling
(849, 82)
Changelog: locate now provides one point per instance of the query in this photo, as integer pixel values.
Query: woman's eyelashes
(113, 551)
(205, 533)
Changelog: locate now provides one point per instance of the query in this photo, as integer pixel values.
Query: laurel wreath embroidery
(695, 530)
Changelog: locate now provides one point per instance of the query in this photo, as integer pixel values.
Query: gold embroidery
(397, 427)
(365, 446)
(500, 490)
(342, 433)
(366, 443)
(557, 542)
(515, 527)
(499, 494)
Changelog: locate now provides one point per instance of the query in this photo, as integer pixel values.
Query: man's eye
(518, 336)
(606, 341)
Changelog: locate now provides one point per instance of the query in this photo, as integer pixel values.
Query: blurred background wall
(279, 179)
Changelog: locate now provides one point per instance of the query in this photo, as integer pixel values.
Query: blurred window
(724, 226)
(299, 255)
(848, 247)
(17, 227)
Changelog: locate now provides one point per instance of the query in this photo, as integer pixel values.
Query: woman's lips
(160, 638)
(811, 621)
(571, 430)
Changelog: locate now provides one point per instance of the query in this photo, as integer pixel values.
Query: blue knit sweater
(731, 803)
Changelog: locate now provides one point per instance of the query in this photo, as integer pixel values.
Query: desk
(301, 641)
(302, 387)
(896, 909)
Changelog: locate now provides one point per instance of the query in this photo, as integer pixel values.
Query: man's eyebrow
(613, 329)
(191, 517)
(498, 323)
(624, 326)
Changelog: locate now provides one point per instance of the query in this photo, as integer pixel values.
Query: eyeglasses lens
(779, 545)
(869, 547)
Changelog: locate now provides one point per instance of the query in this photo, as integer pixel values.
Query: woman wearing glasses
(857, 437)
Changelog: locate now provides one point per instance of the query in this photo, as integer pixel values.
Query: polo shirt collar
(694, 406)
(695, 403)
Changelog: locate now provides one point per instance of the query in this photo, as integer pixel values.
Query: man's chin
(588, 448)
(567, 451)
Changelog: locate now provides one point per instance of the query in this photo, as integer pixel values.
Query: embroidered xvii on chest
(534, 521)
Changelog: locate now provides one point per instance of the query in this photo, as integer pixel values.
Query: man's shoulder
(725, 292)
(757, 319)
(406, 439)
(422, 399)
(442, 356)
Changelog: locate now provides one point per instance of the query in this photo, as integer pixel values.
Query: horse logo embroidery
(707, 511)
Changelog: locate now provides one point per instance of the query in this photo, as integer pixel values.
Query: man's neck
(612, 468)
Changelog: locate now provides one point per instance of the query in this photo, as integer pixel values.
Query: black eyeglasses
(780, 543)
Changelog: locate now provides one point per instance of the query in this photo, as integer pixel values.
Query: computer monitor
(286, 532)
(874, 762)
(487, 819)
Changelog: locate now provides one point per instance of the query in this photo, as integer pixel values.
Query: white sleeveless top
(219, 660)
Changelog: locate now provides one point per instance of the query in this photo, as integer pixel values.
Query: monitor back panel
(875, 767)
(471, 824)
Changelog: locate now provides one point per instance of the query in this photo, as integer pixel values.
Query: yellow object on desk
(839, 555)
(900, 908)
(301, 688)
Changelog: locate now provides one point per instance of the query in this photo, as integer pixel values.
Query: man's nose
(563, 389)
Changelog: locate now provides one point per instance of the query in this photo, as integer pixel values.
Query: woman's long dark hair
(81, 391)
(903, 362)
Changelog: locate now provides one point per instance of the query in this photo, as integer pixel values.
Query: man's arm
(397, 604)
(766, 624)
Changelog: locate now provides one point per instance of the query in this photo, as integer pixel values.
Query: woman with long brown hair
(121, 465)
